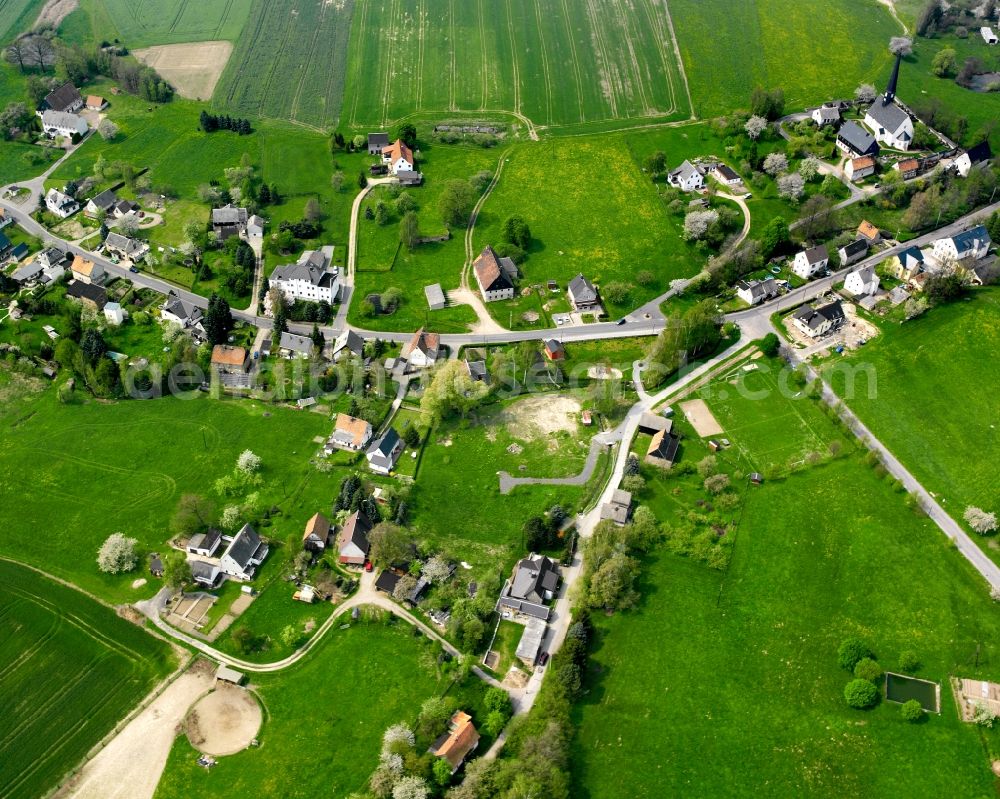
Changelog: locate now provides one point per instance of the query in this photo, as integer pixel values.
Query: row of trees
(683, 339)
(213, 122)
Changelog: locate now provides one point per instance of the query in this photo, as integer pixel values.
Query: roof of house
(908, 165)
(105, 200)
(434, 294)
(427, 343)
(58, 198)
(123, 243)
(460, 739)
(385, 444)
(60, 119)
(350, 341)
(380, 140)
(816, 254)
(397, 150)
(26, 272)
(81, 266)
(664, 446)
(490, 274)
(355, 531)
(980, 152)
(864, 273)
(889, 115)
(225, 355)
(862, 162)
(684, 171)
(296, 343)
(813, 318)
(312, 267)
(855, 248)
(229, 215)
(87, 291)
(868, 230)
(856, 137)
(554, 347)
(829, 112)
(243, 546)
(533, 576)
(758, 288)
(66, 96)
(653, 421)
(477, 370)
(126, 206)
(357, 429)
(582, 290)
(970, 239)
(203, 569)
(208, 540)
(94, 101)
(318, 526)
(621, 497)
(181, 309)
(911, 253)
(727, 172)
(386, 581)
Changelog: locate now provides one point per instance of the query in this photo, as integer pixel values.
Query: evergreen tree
(317, 336)
(218, 320)
(265, 194)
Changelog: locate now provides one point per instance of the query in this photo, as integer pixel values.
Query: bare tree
(16, 53)
(39, 52)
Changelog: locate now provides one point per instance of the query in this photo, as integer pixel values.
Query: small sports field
(70, 669)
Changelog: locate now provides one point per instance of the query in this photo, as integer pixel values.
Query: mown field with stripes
(556, 62)
(70, 669)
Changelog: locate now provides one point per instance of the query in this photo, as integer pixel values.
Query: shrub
(911, 711)
(979, 520)
(117, 554)
(868, 669)
(769, 345)
(717, 483)
(983, 716)
(909, 661)
(860, 694)
(851, 652)
(633, 483)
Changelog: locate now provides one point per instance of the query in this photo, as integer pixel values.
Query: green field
(814, 51)
(935, 405)
(17, 16)
(71, 670)
(141, 23)
(289, 62)
(555, 62)
(324, 721)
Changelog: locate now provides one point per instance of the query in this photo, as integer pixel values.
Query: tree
(410, 787)
(632, 464)
(442, 771)
(498, 700)
(698, 223)
(516, 231)
(850, 652)
(915, 306)
(616, 291)
(755, 126)
(248, 462)
(865, 93)
(389, 544)
(980, 520)
(108, 130)
(717, 483)
(922, 209)
(868, 669)
(775, 163)
(409, 230)
(860, 694)
(17, 53)
(929, 17)
(791, 186)
(612, 585)
(633, 483)
(231, 518)
(943, 288)
(911, 711)
(809, 168)
(411, 436)
(93, 346)
(817, 217)
(769, 105)
(407, 131)
(774, 237)
(983, 716)
(39, 52)
(312, 212)
(494, 724)
(456, 203)
(769, 345)
(452, 391)
(901, 45)
(318, 339)
(945, 62)
(656, 163)
(362, 180)
(193, 513)
(128, 225)
(436, 569)
(117, 554)
(218, 320)
(909, 661)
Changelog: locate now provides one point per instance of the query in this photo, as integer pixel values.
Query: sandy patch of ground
(701, 418)
(537, 417)
(225, 721)
(55, 11)
(604, 373)
(139, 583)
(129, 767)
(515, 678)
(192, 69)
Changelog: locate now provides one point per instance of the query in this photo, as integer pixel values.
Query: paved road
(597, 446)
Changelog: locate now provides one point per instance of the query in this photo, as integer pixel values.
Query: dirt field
(55, 11)
(537, 417)
(225, 721)
(604, 373)
(193, 69)
(701, 418)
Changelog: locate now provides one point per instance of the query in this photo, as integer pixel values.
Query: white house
(384, 452)
(348, 343)
(859, 168)
(293, 345)
(243, 555)
(494, 275)
(826, 114)
(815, 322)
(862, 282)
(971, 244)
(114, 313)
(422, 350)
(102, 203)
(889, 123)
(398, 157)
(756, 291)
(133, 250)
(255, 227)
(726, 175)
(687, 177)
(988, 35)
(853, 252)
(311, 278)
(179, 312)
(978, 156)
(811, 262)
(349, 433)
(62, 123)
(62, 205)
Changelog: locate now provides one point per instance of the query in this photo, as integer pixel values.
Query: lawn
(611, 225)
(675, 688)
(935, 405)
(731, 46)
(142, 23)
(557, 62)
(329, 711)
(72, 670)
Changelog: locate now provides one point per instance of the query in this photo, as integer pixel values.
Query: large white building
(494, 275)
(312, 278)
(62, 205)
(62, 123)
(889, 123)
(971, 244)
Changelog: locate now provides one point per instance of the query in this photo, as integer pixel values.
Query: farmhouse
(312, 278)
(891, 125)
(398, 157)
(816, 322)
(853, 252)
(377, 142)
(244, 554)
(123, 247)
(435, 297)
(62, 205)
(859, 168)
(456, 744)
(179, 312)
(726, 175)
(229, 360)
(855, 141)
(352, 543)
(205, 544)
(87, 271)
(65, 98)
(349, 433)
(811, 262)
(756, 291)
(532, 584)
(101, 203)
(494, 275)
(907, 168)
(384, 452)
(826, 114)
(975, 157)
(662, 450)
(61, 123)
(988, 35)
(348, 343)
(229, 221)
(619, 508)
(869, 232)
(316, 534)
(293, 345)
(422, 350)
(90, 295)
(582, 295)
(862, 282)
(687, 177)
(970, 244)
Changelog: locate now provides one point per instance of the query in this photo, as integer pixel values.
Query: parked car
(134, 269)
(368, 566)
(621, 321)
(543, 658)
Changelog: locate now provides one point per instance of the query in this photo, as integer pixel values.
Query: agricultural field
(732, 652)
(289, 63)
(731, 46)
(72, 669)
(934, 404)
(555, 62)
(17, 16)
(329, 711)
(142, 23)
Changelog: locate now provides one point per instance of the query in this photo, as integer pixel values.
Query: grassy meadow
(17, 16)
(142, 23)
(554, 61)
(72, 669)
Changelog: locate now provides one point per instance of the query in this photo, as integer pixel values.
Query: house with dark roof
(686, 177)
(973, 158)
(59, 123)
(811, 262)
(348, 343)
(753, 292)
(532, 584)
(816, 322)
(384, 452)
(434, 295)
(101, 203)
(422, 350)
(905, 265)
(853, 252)
(313, 277)
(205, 573)
(582, 295)
(90, 295)
(494, 275)
(619, 508)
(65, 99)
(246, 551)
(317, 533)
(229, 221)
(292, 345)
(180, 312)
(862, 282)
(409, 177)
(554, 350)
(352, 542)
(386, 581)
(456, 744)
(972, 244)
(855, 141)
(726, 175)
(826, 114)
(477, 371)
(662, 449)
(891, 125)
(125, 248)
(377, 142)
(62, 205)
(653, 423)
(205, 544)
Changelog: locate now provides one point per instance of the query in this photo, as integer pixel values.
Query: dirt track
(225, 721)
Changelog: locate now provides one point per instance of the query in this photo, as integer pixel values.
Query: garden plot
(192, 69)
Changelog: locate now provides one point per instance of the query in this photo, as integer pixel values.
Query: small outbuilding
(227, 674)
(435, 297)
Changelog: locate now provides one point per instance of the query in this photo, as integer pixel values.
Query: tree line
(213, 122)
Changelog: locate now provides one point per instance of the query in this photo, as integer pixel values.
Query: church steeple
(890, 90)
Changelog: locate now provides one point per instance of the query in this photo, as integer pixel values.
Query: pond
(900, 688)
(983, 82)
